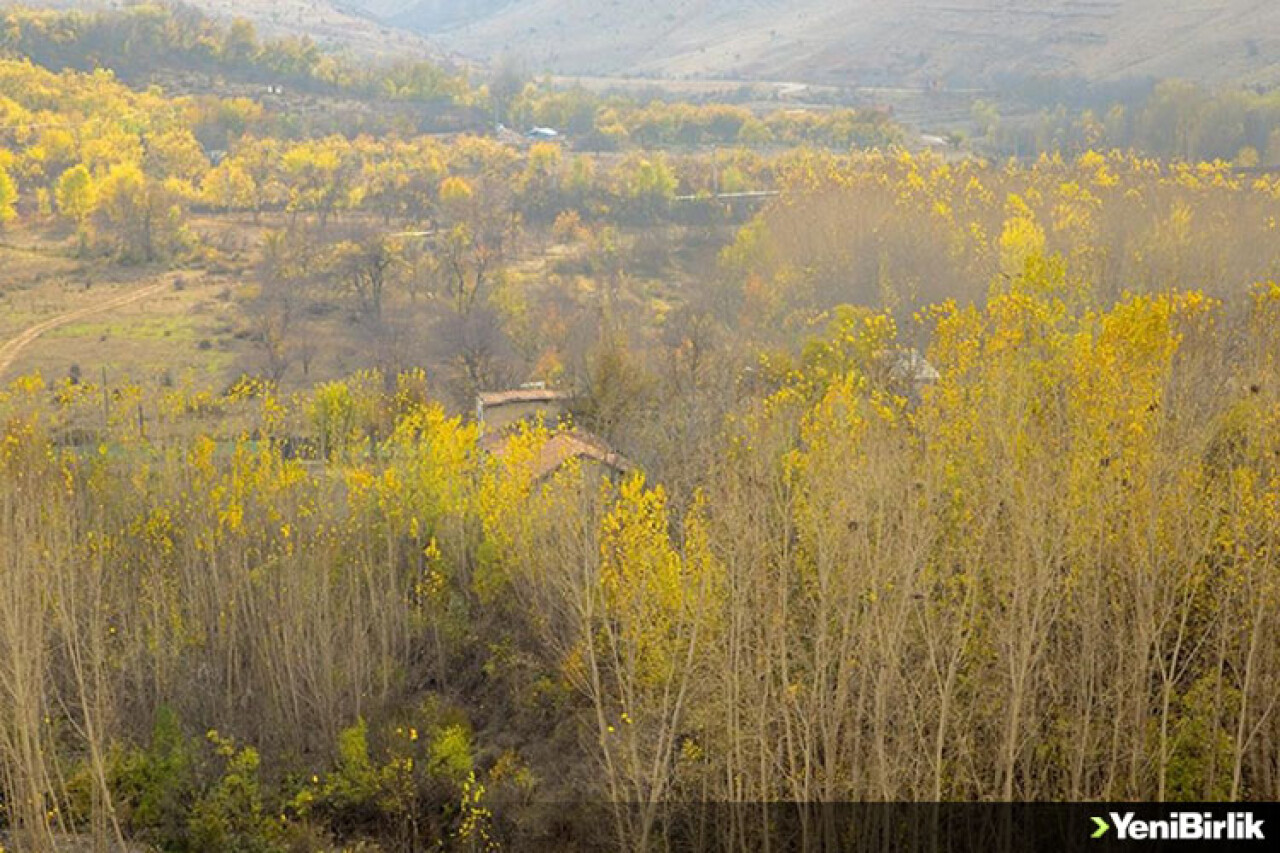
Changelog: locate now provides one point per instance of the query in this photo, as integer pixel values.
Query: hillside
(376, 479)
(862, 42)
(334, 26)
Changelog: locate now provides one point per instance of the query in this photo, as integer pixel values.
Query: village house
(499, 412)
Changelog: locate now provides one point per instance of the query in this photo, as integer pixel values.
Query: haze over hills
(906, 43)
(861, 42)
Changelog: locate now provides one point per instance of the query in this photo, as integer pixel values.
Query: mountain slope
(865, 42)
(333, 25)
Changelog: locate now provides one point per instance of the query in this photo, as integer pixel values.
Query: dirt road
(10, 350)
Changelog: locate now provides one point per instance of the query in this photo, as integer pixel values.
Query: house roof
(563, 446)
(522, 395)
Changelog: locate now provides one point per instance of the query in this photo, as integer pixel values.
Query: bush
(230, 816)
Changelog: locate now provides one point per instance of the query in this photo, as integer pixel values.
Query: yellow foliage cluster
(1047, 571)
(907, 231)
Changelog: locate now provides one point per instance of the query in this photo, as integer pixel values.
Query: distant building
(912, 372)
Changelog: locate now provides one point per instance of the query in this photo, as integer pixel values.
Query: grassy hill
(863, 42)
(902, 43)
(911, 44)
(333, 25)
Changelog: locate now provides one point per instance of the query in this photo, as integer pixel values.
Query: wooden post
(106, 402)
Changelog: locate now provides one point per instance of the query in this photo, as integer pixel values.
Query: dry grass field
(144, 324)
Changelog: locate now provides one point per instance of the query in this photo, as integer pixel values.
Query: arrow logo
(1102, 825)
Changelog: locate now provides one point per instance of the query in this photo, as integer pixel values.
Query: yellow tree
(647, 622)
(175, 154)
(228, 187)
(75, 194)
(473, 241)
(260, 160)
(141, 217)
(8, 197)
(319, 176)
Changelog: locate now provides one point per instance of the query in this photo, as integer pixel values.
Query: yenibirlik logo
(1182, 826)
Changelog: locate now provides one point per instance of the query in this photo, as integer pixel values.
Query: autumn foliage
(949, 479)
(1052, 577)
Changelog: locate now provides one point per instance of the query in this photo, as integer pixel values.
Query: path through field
(10, 350)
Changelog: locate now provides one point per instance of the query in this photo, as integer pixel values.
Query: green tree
(648, 184)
